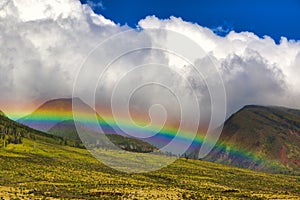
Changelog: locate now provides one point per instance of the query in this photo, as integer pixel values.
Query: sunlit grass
(37, 169)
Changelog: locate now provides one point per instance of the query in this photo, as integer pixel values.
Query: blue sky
(274, 18)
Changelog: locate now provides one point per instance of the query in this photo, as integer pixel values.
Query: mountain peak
(54, 111)
(61, 104)
(265, 131)
(64, 99)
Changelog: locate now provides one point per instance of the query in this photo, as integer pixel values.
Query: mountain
(56, 118)
(261, 138)
(52, 112)
(55, 111)
(67, 129)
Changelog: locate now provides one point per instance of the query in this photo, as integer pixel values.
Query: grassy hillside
(14, 132)
(269, 133)
(37, 169)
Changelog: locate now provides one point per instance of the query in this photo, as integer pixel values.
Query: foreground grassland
(37, 170)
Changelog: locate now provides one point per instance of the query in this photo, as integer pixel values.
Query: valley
(56, 165)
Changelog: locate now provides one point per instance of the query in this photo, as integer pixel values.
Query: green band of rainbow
(165, 135)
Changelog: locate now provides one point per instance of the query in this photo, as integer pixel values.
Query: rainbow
(106, 122)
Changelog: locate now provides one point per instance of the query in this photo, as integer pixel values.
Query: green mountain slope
(37, 170)
(67, 129)
(14, 132)
(271, 133)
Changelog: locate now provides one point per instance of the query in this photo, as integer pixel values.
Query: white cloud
(255, 70)
(43, 43)
(41, 46)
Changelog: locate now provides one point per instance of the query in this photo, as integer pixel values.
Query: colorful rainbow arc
(167, 133)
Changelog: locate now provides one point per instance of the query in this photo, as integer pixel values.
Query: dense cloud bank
(43, 43)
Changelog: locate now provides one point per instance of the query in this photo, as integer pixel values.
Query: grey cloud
(249, 79)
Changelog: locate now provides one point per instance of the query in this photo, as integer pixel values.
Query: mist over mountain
(52, 112)
(55, 117)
